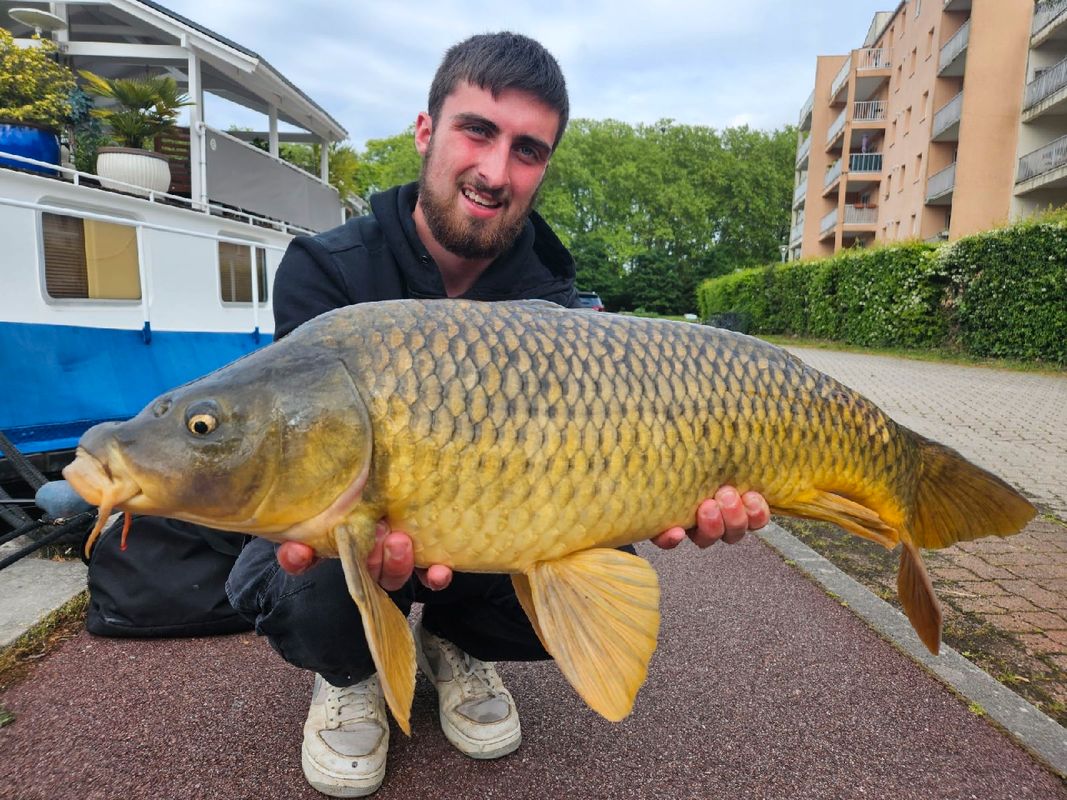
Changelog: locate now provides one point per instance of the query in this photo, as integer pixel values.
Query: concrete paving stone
(987, 589)
(982, 568)
(1041, 644)
(1044, 620)
(1060, 660)
(1024, 558)
(1015, 603)
(1058, 636)
(1032, 592)
(1013, 623)
(953, 573)
(986, 606)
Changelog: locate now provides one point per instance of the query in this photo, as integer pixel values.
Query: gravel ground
(762, 687)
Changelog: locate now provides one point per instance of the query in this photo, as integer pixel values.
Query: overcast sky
(718, 62)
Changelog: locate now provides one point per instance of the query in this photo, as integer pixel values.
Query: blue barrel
(31, 142)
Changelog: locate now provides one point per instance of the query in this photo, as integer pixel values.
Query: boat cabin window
(235, 272)
(90, 260)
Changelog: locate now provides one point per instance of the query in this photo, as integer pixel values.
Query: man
(497, 109)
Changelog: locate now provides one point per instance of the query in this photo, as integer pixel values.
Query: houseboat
(113, 292)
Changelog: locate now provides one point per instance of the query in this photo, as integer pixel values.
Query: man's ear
(423, 132)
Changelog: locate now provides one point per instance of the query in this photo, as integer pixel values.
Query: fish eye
(202, 418)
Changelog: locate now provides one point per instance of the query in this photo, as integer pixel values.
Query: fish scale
(523, 438)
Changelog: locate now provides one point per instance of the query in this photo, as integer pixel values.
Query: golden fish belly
(502, 440)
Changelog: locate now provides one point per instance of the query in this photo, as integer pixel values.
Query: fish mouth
(99, 484)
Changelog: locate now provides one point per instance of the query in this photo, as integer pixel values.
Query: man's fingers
(397, 562)
(436, 577)
(669, 539)
(759, 512)
(296, 557)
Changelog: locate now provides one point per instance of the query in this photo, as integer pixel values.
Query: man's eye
(477, 130)
(529, 153)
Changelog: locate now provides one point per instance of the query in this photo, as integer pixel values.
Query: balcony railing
(860, 215)
(872, 58)
(954, 46)
(805, 111)
(832, 174)
(840, 78)
(1051, 80)
(865, 162)
(803, 150)
(797, 232)
(835, 128)
(801, 191)
(1045, 159)
(868, 110)
(941, 183)
(947, 116)
(828, 222)
(1045, 12)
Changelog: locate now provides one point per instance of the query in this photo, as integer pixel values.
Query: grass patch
(1000, 653)
(943, 356)
(17, 659)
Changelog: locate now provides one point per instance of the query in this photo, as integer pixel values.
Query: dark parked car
(590, 301)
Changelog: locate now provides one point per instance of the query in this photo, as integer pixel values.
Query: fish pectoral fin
(597, 613)
(916, 593)
(849, 514)
(388, 635)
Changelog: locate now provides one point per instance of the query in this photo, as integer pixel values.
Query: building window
(235, 273)
(914, 225)
(930, 43)
(914, 54)
(918, 166)
(90, 260)
(907, 119)
(903, 176)
(925, 105)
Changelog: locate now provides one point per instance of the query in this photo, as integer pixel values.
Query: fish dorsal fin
(388, 635)
(597, 613)
(917, 596)
(850, 515)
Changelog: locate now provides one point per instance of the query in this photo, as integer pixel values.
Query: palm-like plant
(144, 107)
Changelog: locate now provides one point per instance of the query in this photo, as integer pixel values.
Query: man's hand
(728, 516)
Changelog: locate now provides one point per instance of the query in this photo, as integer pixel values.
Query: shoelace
(478, 677)
(349, 703)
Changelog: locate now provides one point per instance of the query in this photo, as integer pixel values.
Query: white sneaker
(346, 738)
(477, 713)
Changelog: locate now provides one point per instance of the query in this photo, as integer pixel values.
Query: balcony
(1041, 92)
(832, 174)
(1048, 16)
(865, 162)
(802, 153)
(957, 5)
(800, 192)
(1045, 163)
(872, 58)
(864, 111)
(946, 124)
(805, 112)
(836, 128)
(797, 232)
(860, 215)
(939, 186)
(827, 224)
(840, 81)
(953, 58)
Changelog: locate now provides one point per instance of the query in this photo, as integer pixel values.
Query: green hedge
(999, 293)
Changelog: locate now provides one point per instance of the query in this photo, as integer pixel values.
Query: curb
(31, 589)
(1042, 736)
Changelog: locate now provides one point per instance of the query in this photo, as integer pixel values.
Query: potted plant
(34, 101)
(142, 109)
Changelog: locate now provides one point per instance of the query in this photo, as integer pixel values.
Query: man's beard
(460, 234)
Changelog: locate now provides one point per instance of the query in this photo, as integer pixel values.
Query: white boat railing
(941, 183)
(868, 110)
(1045, 12)
(947, 116)
(76, 177)
(954, 46)
(1049, 81)
(1042, 160)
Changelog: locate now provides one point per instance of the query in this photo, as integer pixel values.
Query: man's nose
(493, 167)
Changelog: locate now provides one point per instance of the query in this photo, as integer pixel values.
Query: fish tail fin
(388, 636)
(957, 501)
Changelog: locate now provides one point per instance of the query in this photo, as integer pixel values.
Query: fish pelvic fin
(958, 501)
(835, 508)
(916, 593)
(388, 635)
(597, 613)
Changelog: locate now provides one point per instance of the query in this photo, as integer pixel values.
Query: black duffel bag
(169, 581)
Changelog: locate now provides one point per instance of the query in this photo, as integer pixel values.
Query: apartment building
(951, 118)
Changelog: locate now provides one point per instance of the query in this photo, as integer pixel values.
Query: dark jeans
(313, 623)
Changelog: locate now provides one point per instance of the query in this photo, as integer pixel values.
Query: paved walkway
(1014, 424)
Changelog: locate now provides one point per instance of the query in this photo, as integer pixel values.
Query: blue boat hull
(58, 381)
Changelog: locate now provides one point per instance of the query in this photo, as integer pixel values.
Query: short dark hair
(499, 61)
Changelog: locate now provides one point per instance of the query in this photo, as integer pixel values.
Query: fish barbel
(523, 438)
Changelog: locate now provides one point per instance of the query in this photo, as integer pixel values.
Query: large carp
(524, 438)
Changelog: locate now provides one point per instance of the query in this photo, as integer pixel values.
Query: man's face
(483, 161)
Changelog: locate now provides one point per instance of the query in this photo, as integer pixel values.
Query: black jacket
(380, 257)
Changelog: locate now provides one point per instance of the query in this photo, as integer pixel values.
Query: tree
(387, 162)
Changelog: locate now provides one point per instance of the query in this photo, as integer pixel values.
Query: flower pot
(145, 170)
(30, 141)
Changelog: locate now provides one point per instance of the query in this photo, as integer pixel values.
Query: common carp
(524, 438)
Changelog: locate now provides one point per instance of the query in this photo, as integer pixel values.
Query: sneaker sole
(335, 785)
(473, 749)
